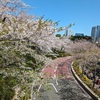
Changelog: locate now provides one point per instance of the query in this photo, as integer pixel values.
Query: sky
(84, 13)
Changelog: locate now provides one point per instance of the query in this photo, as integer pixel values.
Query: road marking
(56, 82)
(55, 77)
(39, 87)
(54, 87)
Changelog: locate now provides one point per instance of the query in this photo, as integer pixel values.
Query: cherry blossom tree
(87, 55)
(24, 41)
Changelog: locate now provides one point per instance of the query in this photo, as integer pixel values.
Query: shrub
(80, 71)
(58, 35)
(85, 78)
(6, 87)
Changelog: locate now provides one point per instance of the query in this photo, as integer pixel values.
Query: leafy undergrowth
(85, 79)
(57, 54)
(6, 87)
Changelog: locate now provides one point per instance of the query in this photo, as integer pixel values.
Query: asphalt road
(65, 90)
(50, 92)
(62, 85)
(70, 90)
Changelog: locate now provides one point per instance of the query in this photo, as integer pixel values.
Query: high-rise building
(95, 33)
(68, 32)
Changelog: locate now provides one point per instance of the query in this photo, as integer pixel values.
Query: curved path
(63, 82)
(59, 68)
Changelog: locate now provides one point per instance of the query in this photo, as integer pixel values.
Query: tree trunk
(94, 78)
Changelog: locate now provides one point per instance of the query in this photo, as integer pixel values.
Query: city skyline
(84, 13)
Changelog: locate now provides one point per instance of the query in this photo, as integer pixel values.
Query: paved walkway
(63, 85)
(51, 93)
(58, 68)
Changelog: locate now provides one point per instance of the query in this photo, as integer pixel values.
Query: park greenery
(87, 64)
(27, 44)
(58, 35)
(87, 80)
(76, 38)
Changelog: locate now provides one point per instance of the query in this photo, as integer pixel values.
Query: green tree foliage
(58, 35)
(76, 38)
(6, 87)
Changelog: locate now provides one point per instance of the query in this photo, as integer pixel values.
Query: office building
(95, 33)
(68, 32)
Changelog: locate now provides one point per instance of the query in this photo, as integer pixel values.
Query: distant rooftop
(79, 34)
